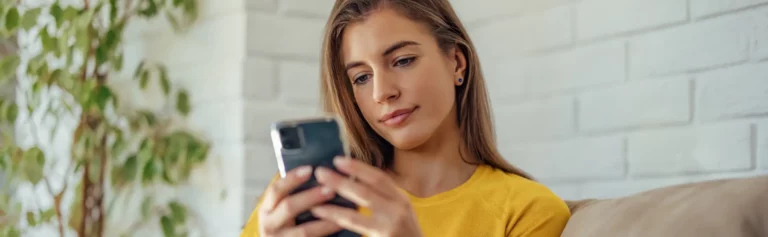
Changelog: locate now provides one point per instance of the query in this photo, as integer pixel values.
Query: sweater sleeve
(545, 216)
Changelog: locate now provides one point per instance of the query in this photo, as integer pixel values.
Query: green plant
(114, 151)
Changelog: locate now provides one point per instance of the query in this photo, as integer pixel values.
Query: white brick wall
(596, 98)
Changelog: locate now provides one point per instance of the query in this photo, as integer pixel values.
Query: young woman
(405, 78)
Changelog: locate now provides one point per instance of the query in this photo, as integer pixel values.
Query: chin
(407, 139)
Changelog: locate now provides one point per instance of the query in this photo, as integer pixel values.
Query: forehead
(381, 29)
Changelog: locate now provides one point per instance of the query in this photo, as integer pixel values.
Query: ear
(459, 65)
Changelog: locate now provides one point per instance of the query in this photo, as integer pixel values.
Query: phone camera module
(290, 138)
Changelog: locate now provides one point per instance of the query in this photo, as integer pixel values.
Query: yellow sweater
(491, 203)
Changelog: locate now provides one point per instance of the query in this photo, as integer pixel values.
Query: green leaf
(8, 66)
(146, 207)
(12, 112)
(139, 69)
(31, 218)
(32, 165)
(12, 19)
(13, 232)
(47, 215)
(130, 168)
(102, 54)
(58, 14)
(112, 39)
(165, 81)
(178, 212)
(112, 11)
(182, 103)
(174, 22)
(30, 18)
(70, 13)
(148, 117)
(144, 80)
(148, 175)
(117, 62)
(151, 9)
(168, 229)
(82, 41)
(103, 94)
(177, 3)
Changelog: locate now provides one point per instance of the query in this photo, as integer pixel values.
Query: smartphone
(315, 142)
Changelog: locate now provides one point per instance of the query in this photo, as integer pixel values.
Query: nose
(385, 88)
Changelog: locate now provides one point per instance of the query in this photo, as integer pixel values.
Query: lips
(396, 117)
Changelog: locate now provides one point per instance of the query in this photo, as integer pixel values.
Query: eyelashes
(401, 63)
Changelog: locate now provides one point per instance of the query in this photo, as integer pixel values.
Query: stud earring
(461, 80)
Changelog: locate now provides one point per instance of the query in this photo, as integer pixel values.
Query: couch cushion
(732, 207)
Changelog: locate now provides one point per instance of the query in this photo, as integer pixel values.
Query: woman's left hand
(392, 214)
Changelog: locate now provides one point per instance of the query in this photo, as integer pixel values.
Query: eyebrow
(390, 50)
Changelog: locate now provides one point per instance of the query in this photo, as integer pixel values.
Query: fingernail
(318, 211)
(321, 173)
(304, 171)
(339, 160)
(326, 191)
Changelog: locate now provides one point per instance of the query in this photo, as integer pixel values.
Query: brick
(504, 79)
(469, 11)
(761, 39)
(314, 8)
(534, 120)
(566, 191)
(732, 92)
(621, 188)
(580, 159)
(209, 82)
(267, 34)
(699, 149)
(762, 144)
(644, 103)
(259, 80)
(222, 174)
(260, 163)
(300, 82)
(577, 68)
(536, 31)
(261, 114)
(261, 4)
(214, 40)
(702, 8)
(221, 121)
(702, 45)
(215, 9)
(597, 18)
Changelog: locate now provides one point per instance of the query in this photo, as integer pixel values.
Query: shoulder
(530, 207)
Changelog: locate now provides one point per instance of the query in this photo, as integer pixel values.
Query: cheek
(366, 104)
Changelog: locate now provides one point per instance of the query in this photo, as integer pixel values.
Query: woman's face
(403, 83)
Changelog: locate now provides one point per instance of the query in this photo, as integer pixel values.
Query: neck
(436, 166)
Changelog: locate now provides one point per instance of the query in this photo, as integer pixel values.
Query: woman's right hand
(279, 209)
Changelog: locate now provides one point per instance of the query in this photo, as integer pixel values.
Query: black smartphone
(315, 142)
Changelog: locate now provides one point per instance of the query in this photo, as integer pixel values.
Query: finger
(367, 174)
(295, 204)
(314, 228)
(346, 218)
(356, 192)
(282, 187)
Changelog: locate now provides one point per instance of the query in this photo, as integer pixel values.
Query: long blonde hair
(473, 107)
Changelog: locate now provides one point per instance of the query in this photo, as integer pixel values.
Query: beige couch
(736, 207)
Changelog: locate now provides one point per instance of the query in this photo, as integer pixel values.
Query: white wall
(597, 98)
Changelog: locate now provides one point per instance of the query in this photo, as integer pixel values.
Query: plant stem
(57, 204)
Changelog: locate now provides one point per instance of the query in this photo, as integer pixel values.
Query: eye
(361, 79)
(404, 62)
